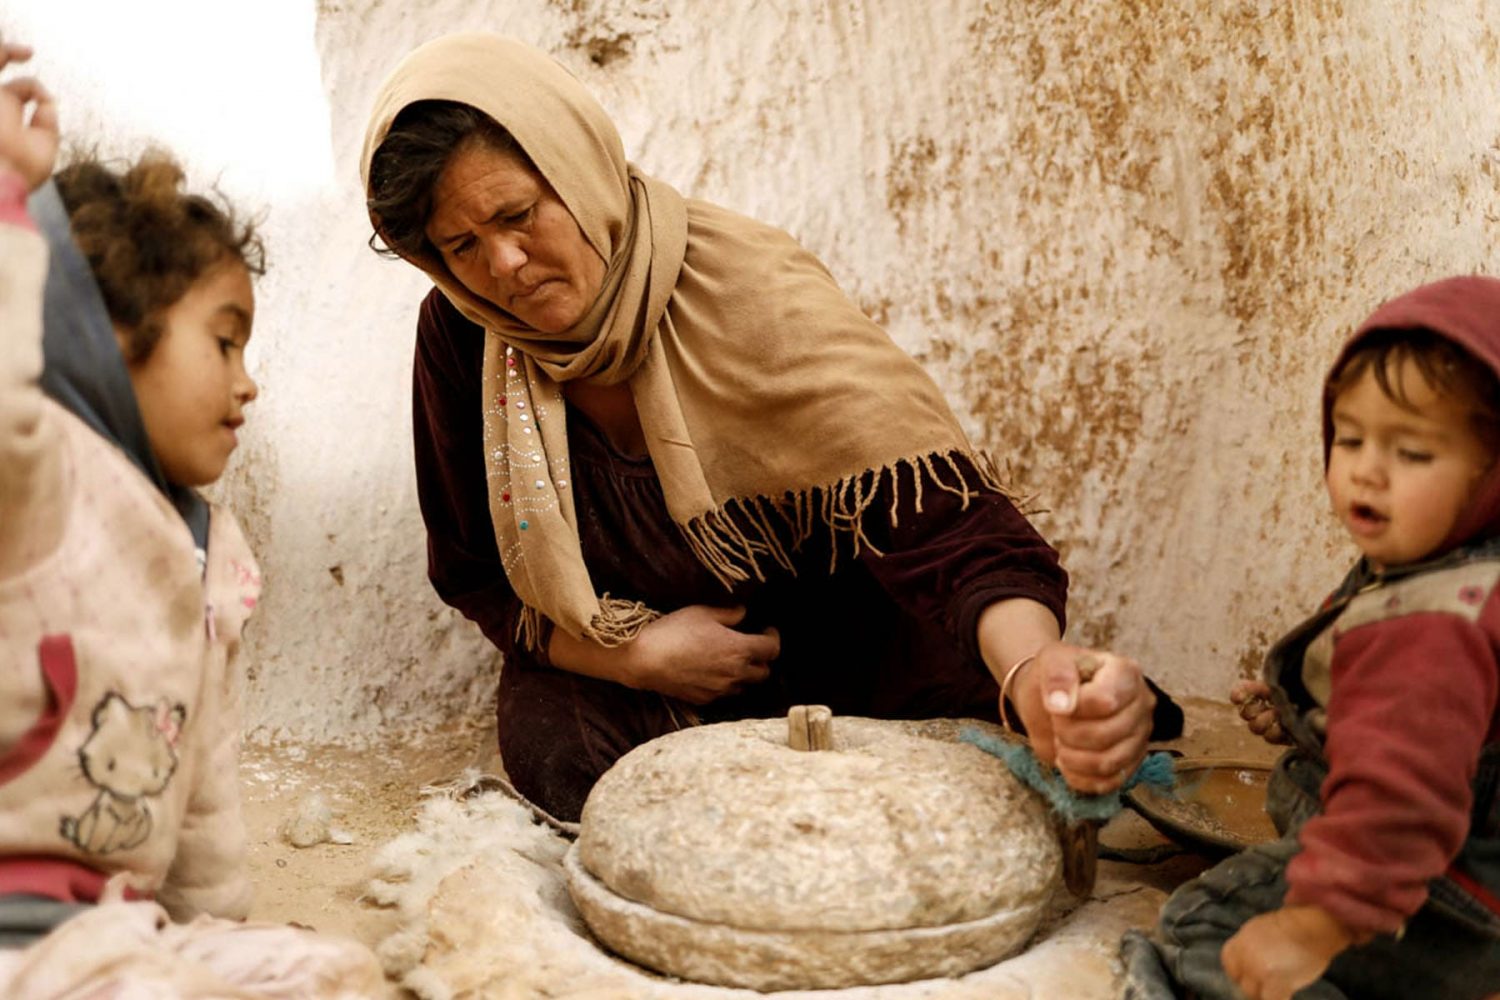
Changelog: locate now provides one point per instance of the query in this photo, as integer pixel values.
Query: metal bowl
(1219, 805)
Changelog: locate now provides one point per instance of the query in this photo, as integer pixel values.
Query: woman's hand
(696, 655)
(28, 141)
(1094, 728)
(1278, 953)
(1254, 699)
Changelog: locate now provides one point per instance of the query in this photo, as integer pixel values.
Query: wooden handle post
(809, 727)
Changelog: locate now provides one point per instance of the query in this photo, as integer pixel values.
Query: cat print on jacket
(130, 755)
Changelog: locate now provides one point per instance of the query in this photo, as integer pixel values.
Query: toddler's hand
(1254, 699)
(28, 139)
(1278, 953)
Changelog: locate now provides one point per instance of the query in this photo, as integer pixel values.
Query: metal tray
(1219, 806)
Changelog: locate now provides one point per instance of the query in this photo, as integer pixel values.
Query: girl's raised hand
(28, 122)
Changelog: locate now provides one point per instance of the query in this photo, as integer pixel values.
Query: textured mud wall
(1125, 238)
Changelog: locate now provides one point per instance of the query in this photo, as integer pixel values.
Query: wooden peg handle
(809, 727)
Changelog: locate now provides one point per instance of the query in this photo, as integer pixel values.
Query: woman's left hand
(1093, 729)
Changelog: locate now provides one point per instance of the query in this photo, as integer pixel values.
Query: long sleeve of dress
(952, 559)
(1413, 700)
(463, 562)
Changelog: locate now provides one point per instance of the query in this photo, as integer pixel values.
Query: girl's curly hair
(147, 240)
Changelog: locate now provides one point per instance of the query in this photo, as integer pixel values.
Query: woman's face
(505, 234)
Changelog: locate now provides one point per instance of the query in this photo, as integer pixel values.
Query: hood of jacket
(83, 369)
(1465, 310)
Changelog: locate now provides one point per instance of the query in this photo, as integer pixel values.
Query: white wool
(450, 834)
(310, 823)
(484, 912)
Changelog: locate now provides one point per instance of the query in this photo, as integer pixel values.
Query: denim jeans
(25, 919)
(1449, 951)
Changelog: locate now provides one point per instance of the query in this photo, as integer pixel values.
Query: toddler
(1386, 882)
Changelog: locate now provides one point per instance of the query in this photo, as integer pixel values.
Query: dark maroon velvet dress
(888, 636)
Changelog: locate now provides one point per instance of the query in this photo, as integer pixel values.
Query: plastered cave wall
(1124, 236)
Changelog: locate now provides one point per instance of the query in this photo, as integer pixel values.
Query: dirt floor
(375, 792)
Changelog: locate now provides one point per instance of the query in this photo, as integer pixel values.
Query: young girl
(122, 593)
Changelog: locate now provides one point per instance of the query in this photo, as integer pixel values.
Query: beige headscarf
(764, 393)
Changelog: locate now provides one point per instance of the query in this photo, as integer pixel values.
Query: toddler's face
(193, 388)
(1399, 477)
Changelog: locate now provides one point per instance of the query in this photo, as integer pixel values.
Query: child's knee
(1217, 903)
(1146, 976)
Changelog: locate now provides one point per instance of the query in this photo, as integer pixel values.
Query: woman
(669, 468)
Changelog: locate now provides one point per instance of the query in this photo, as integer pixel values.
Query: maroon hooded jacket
(1415, 687)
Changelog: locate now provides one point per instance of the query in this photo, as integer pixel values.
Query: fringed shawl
(765, 395)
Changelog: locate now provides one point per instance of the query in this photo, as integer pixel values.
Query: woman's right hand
(1254, 700)
(695, 654)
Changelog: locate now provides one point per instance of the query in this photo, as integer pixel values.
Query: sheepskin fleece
(485, 913)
